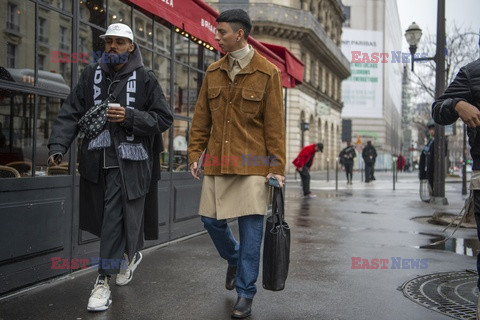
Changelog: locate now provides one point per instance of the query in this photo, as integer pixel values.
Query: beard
(114, 58)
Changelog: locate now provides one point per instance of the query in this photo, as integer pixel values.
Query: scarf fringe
(129, 151)
(101, 141)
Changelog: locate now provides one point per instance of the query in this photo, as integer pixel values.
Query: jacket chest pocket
(215, 100)
(251, 100)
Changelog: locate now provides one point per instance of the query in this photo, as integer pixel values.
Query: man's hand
(55, 159)
(280, 179)
(116, 114)
(468, 113)
(195, 171)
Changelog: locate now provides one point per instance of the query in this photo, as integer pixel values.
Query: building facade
(311, 30)
(373, 94)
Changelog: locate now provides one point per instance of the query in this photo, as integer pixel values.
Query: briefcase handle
(278, 208)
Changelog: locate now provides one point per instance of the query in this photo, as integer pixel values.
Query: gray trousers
(122, 225)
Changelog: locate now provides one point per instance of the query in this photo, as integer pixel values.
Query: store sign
(322, 108)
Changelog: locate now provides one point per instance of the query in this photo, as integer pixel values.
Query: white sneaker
(126, 274)
(100, 298)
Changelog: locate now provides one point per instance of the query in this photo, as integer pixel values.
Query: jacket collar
(258, 63)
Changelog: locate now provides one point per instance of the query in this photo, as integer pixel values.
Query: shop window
(165, 154)
(119, 12)
(42, 30)
(209, 58)
(180, 143)
(57, 65)
(13, 14)
(143, 29)
(181, 48)
(162, 39)
(48, 109)
(11, 55)
(94, 12)
(147, 56)
(65, 5)
(19, 54)
(162, 72)
(16, 134)
(41, 62)
(181, 90)
(195, 83)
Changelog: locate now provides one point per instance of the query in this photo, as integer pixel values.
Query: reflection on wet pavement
(468, 247)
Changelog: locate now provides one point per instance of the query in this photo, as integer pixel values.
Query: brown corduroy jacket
(240, 122)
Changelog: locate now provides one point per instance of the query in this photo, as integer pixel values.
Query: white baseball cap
(118, 30)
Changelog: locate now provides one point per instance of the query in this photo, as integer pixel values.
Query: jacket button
(226, 141)
(251, 96)
(228, 121)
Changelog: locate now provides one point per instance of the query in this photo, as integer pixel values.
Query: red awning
(293, 65)
(193, 16)
(197, 18)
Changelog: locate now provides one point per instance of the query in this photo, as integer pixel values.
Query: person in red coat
(400, 162)
(303, 162)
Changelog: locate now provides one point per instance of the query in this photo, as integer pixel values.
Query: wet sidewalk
(330, 233)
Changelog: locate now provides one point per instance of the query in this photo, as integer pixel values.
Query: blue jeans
(245, 255)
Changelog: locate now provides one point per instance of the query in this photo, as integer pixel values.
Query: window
(12, 17)
(346, 11)
(64, 39)
(42, 30)
(41, 62)
(11, 55)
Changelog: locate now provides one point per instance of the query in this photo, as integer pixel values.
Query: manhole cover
(451, 293)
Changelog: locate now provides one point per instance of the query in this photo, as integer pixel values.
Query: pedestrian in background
(369, 155)
(462, 100)
(400, 162)
(303, 163)
(119, 167)
(239, 112)
(346, 160)
(426, 164)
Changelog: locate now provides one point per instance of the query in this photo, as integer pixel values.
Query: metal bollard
(328, 170)
(336, 175)
(394, 163)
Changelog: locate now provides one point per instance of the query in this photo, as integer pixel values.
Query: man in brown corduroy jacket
(239, 121)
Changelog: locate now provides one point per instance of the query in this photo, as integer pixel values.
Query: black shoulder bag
(93, 121)
(276, 247)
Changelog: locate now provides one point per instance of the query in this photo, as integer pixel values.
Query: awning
(193, 16)
(294, 66)
(197, 18)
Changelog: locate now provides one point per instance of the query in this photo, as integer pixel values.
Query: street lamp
(413, 35)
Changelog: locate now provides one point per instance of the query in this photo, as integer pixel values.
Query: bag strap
(121, 84)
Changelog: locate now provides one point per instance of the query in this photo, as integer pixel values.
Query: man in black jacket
(119, 168)
(369, 155)
(462, 100)
(346, 160)
(426, 164)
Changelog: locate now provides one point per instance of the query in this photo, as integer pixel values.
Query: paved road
(184, 280)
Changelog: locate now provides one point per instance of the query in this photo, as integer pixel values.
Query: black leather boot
(243, 308)
(230, 279)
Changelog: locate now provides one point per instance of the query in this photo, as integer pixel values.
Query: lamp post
(413, 35)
